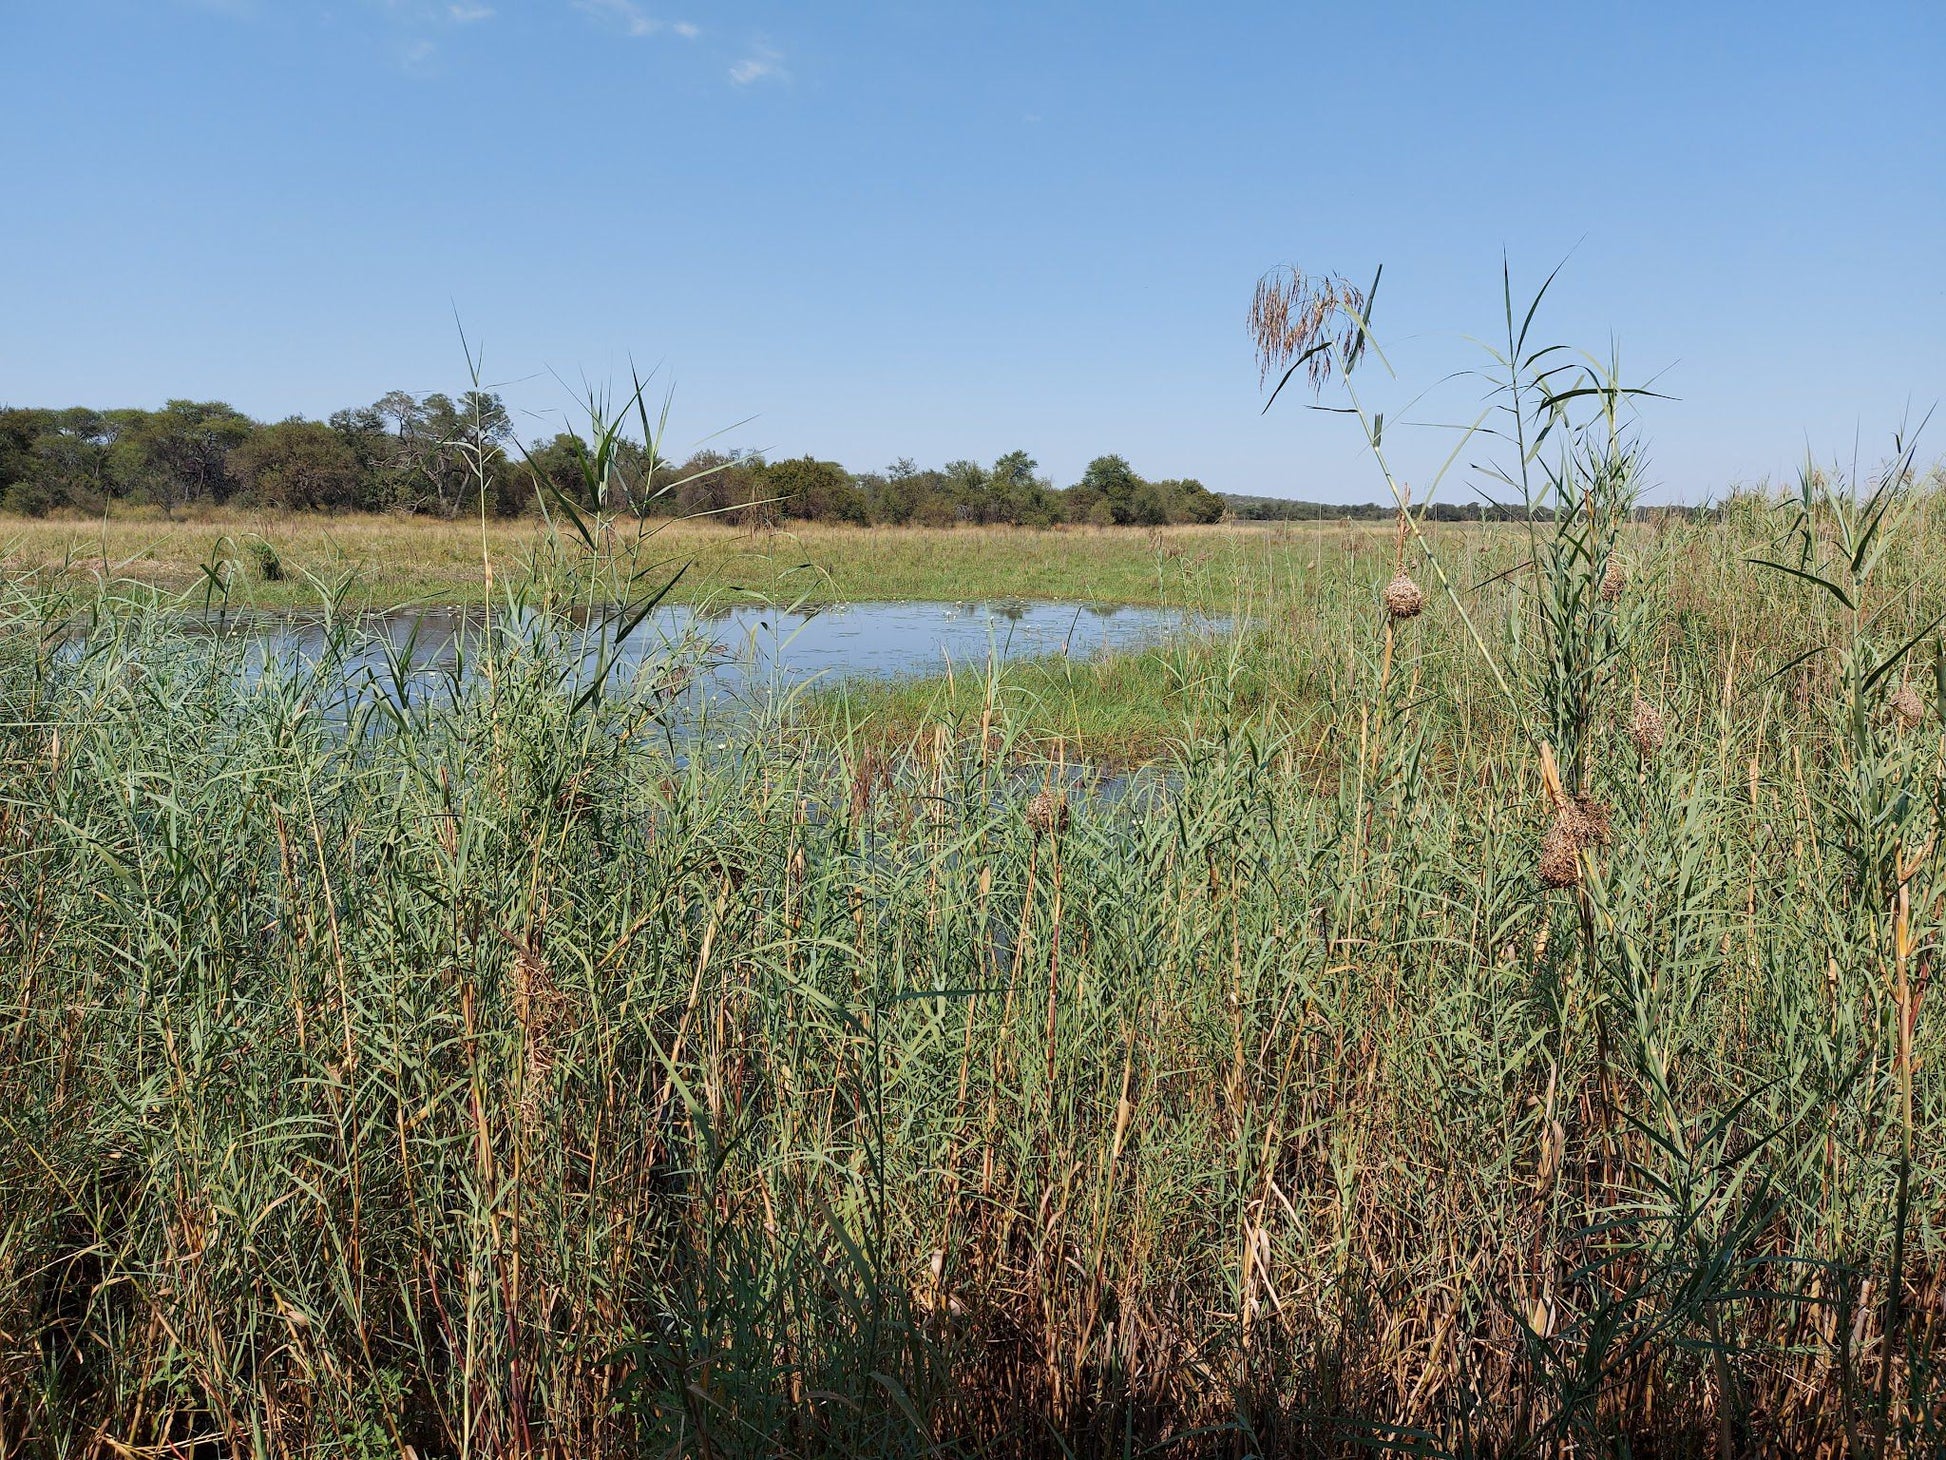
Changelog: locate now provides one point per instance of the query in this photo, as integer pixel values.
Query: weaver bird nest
(1047, 813)
(1906, 707)
(1646, 728)
(1402, 597)
(1580, 824)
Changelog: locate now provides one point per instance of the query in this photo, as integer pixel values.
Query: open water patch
(716, 658)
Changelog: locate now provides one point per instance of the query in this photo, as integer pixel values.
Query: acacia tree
(74, 454)
(180, 453)
(441, 441)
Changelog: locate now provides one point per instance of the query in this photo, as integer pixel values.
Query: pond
(752, 653)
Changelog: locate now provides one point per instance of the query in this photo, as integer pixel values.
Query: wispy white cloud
(625, 14)
(420, 14)
(764, 63)
(687, 31)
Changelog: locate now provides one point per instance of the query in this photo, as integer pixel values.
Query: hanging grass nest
(1613, 582)
(1047, 813)
(1403, 598)
(1593, 821)
(1580, 824)
(1646, 728)
(1560, 863)
(1906, 707)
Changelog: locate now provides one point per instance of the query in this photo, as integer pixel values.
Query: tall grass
(479, 1073)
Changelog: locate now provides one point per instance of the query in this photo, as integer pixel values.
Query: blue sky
(935, 230)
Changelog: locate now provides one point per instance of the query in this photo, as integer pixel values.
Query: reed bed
(1498, 1028)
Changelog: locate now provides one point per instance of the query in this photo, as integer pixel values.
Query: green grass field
(385, 562)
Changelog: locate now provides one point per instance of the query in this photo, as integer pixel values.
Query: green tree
(1018, 494)
(74, 456)
(298, 464)
(445, 447)
(821, 491)
(363, 431)
(557, 465)
(893, 495)
(1189, 501)
(933, 496)
(180, 453)
(1109, 480)
(21, 491)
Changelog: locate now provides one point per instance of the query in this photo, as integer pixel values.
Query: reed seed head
(871, 773)
(575, 800)
(1646, 728)
(1047, 813)
(1402, 597)
(541, 1009)
(1291, 313)
(1613, 582)
(1906, 707)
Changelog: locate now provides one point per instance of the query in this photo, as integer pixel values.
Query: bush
(27, 499)
(264, 561)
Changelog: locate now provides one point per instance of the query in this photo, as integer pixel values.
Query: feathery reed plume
(539, 1006)
(1295, 315)
(871, 772)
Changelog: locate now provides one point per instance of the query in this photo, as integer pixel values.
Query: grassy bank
(476, 1077)
(275, 560)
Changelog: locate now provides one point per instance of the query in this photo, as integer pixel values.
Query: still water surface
(750, 653)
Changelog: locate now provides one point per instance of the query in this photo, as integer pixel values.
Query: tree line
(1287, 509)
(437, 454)
(444, 455)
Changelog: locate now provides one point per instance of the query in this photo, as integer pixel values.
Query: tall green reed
(490, 1072)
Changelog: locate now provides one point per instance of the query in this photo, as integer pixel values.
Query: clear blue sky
(939, 230)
